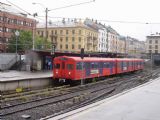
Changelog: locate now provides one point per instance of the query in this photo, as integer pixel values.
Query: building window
(79, 46)
(61, 39)
(156, 46)
(73, 39)
(73, 31)
(79, 39)
(80, 32)
(156, 41)
(67, 32)
(41, 33)
(61, 32)
(72, 46)
(66, 46)
(150, 41)
(66, 39)
(60, 46)
(156, 51)
(55, 32)
(150, 51)
(150, 46)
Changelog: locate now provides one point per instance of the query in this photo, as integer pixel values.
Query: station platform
(11, 80)
(140, 103)
(13, 75)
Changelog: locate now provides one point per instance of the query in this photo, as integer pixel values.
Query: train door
(63, 71)
(87, 67)
(111, 68)
(101, 68)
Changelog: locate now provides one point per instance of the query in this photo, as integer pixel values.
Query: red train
(74, 68)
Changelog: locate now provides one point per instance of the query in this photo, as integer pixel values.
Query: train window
(124, 64)
(106, 65)
(87, 65)
(110, 64)
(94, 65)
(130, 63)
(79, 66)
(113, 64)
(100, 64)
(57, 66)
(70, 66)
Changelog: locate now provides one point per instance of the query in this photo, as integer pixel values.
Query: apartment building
(134, 47)
(10, 21)
(153, 43)
(121, 47)
(102, 34)
(70, 36)
(113, 38)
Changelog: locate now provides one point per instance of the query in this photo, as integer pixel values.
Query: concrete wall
(7, 60)
(32, 83)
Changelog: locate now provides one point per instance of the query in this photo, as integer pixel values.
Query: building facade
(112, 37)
(102, 34)
(10, 22)
(134, 47)
(153, 43)
(121, 44)
(71, 36)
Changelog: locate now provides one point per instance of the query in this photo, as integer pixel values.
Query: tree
(24, 41)
(40, 43)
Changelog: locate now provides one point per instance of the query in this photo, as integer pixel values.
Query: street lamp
(17, 35)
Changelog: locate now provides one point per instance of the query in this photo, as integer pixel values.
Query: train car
(74, 68)
(124, 65)
(139, 64)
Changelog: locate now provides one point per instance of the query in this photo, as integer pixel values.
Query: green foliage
(24, 41)
(94, 80)
(40, 43)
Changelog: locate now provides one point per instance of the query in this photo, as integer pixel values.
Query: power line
(114, 21)
(18, 7)
(72, 5)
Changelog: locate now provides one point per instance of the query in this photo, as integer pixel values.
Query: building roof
(65, 24)
(92, 24)
(110, 29)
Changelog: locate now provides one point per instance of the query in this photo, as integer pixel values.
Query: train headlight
(69, 73)
(56, 72)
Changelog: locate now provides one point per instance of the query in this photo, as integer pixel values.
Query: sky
(134, 18)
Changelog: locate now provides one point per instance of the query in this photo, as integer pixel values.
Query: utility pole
(46, 27)
(33, 35)
(151, 62)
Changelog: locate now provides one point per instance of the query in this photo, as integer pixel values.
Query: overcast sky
(138, 11)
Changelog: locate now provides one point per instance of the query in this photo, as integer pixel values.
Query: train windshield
(57, 66)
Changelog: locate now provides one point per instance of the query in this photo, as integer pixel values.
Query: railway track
(74, 94)
(31, 96)
(74, 97)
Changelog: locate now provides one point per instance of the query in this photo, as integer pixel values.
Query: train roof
(95, 58)
(85, 58)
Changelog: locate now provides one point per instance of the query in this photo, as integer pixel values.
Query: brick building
(10, 21)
